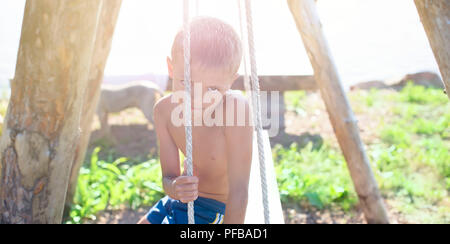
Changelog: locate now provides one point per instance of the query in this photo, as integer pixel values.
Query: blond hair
(214, 44)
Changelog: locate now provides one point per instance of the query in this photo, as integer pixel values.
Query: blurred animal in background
(115, 98)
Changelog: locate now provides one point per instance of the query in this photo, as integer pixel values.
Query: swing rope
(247, 86)
(255, 100)
(187, 101)
(257, 111)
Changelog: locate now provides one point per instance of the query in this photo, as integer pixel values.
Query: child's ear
(170, 67)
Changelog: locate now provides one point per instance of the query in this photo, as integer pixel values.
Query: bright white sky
(151, 27)
(369, 39)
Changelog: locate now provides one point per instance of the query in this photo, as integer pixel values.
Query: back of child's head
(214, 45)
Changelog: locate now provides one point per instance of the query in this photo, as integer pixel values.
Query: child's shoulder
(163, 105)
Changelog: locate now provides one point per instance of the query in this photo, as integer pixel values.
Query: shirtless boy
(221, 153)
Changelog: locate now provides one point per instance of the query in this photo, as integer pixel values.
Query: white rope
(257, 111)
(247, 85)
(187, 102)
(255, 99)
(244, 54)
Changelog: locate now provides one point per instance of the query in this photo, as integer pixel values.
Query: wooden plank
(271, 83)
(255, 210)
(339, 110)
(280, 83)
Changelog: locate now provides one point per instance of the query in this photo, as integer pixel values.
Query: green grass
(318, 177)
(294, 101)
(111, 185)
(414, 156)
(421, 95)
(411, 159)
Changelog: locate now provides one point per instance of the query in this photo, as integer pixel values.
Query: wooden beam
(273, 83)
(281, 83)
(435, 17)
(339, 110)
(43, 117)
(267, 82)
(105, 31)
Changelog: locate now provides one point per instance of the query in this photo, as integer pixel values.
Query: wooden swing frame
(75, 55)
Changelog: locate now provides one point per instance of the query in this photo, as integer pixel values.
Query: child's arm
(183, 188)
(239, 155)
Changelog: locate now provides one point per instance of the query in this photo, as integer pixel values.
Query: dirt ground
(293, 214)
(132, 137)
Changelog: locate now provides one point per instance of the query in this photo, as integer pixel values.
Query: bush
(109, 185)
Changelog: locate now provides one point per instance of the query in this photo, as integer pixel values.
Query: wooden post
(105, 31)
(435, 17)
(341, 115)
(43, 117)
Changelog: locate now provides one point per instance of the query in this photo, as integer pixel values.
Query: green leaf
(119, 161)
(314, 199)
(113, 168)
(153, 186)
(94, 158)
